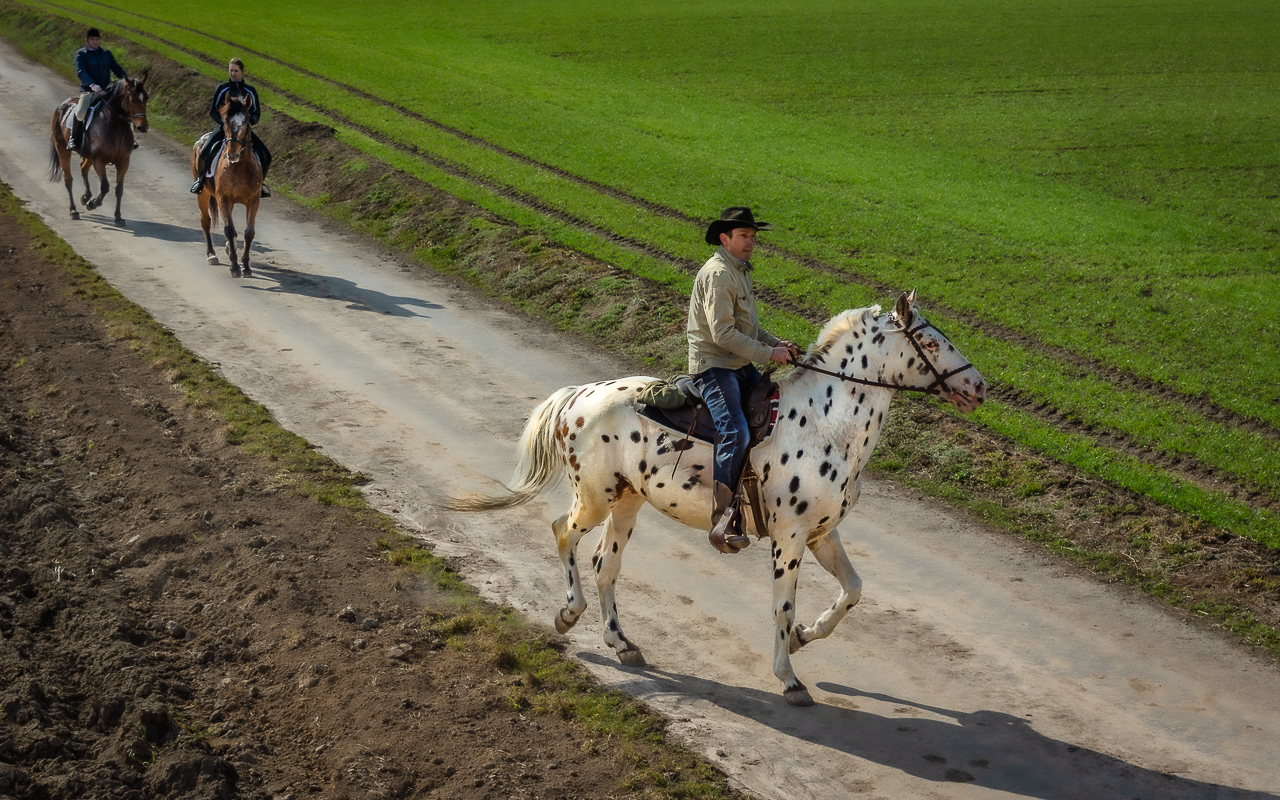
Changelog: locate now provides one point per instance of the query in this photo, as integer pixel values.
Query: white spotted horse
(831, 413)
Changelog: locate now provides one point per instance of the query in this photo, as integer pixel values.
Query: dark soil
(173, 625)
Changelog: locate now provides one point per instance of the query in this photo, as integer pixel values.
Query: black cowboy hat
(730, 218)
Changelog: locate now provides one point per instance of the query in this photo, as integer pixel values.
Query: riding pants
(723, 391)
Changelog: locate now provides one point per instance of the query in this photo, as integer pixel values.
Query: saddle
(682, 409)
(691, 416)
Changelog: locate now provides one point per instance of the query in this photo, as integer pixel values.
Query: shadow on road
(990, 749)
(287, 281)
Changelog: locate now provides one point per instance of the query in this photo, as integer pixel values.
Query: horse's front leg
(607, 562)
(829, 551)
(121, 169)
(250, 214)
(787, 551)
(86, 199)
(104, 185)
(229, 231)
(568, 530)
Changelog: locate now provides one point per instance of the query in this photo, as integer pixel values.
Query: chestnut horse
(108, 139)
(237, 178)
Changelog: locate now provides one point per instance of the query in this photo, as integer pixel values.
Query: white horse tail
(539, 468)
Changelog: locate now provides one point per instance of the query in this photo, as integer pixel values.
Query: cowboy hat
(730, 218)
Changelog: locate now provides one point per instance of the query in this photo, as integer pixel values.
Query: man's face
(235, 73)
(739, 242)
(93, 42)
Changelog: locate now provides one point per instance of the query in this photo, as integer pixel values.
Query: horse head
(932, 359)
(899, 351)
(130, 95)
(235, 126)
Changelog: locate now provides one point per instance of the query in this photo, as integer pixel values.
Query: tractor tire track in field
(1185, 466)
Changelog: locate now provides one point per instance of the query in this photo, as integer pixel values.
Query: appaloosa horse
(108, 140)
(830, 416)
(237, 178)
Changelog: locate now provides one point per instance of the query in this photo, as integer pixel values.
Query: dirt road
(973, 667)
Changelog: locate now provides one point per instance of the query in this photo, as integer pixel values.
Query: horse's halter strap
(939, 378)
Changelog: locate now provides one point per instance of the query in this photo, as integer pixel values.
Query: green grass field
(1086, 194)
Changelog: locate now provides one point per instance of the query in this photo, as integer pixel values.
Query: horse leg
(250, 214)
(207, 214)
(830, 553)
(569, 529)
(229, 231)
(786, 555)
(121, 168)
(64, 160)
(86, 199)
(607, 562)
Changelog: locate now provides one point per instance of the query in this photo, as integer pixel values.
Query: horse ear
(142, 76)
(903, 307)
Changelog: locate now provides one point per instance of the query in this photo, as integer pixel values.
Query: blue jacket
(97, 66)
(236, 88)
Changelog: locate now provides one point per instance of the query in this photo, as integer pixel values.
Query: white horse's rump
(810, 468)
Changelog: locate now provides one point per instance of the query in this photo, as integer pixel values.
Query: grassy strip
(547, 683)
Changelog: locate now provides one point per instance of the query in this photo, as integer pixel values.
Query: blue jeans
(723, 390)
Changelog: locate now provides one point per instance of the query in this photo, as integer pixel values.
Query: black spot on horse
(825, 468)
(777, 573)
(635, 436)
(785, 457)
(791, 414)
(803, 420)
(794, 486)
(803, 507)
(795, 562)
(864, 361)
(644, 466)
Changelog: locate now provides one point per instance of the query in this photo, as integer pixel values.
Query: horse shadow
(327, 287)
(155, 230)
(991, 749)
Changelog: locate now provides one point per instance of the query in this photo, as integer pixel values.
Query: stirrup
(265, 191)
(724, 536)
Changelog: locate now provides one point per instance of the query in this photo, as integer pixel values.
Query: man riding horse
(725, 337)
(235, 86)
(94, 66)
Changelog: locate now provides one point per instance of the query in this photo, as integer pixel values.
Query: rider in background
(725, 337)
(94, 67)
(234, 87)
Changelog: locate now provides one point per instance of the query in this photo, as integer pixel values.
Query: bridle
(937, 387)
(126, 99)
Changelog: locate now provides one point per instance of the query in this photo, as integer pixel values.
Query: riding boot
(77, 136)
(726, 528)
(265, 191)
(198, 185)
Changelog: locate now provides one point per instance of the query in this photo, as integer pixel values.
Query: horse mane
(836, 327)
(233, 106)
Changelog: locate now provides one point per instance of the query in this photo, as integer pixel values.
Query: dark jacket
(235, 88)
(97, 66)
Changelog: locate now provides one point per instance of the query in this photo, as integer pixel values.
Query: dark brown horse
(108, 140)
(237, 178)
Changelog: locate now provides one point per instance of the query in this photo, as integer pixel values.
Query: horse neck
(849, 415)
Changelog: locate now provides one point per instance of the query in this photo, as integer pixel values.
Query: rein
(939, 378)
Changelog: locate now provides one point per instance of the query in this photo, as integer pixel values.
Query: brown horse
(237, 178)
(108, 139)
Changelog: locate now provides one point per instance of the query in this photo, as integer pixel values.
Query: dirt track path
(973, 667)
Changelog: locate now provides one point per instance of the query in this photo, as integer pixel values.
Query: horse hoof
(248, 273)
(75, 215)
(235, 273)
(562, 625)
(796, 642)
(631, 657)
(211, 260)
(120, 223)
(798, 697)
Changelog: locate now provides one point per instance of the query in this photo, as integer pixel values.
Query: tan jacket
(723, 329)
